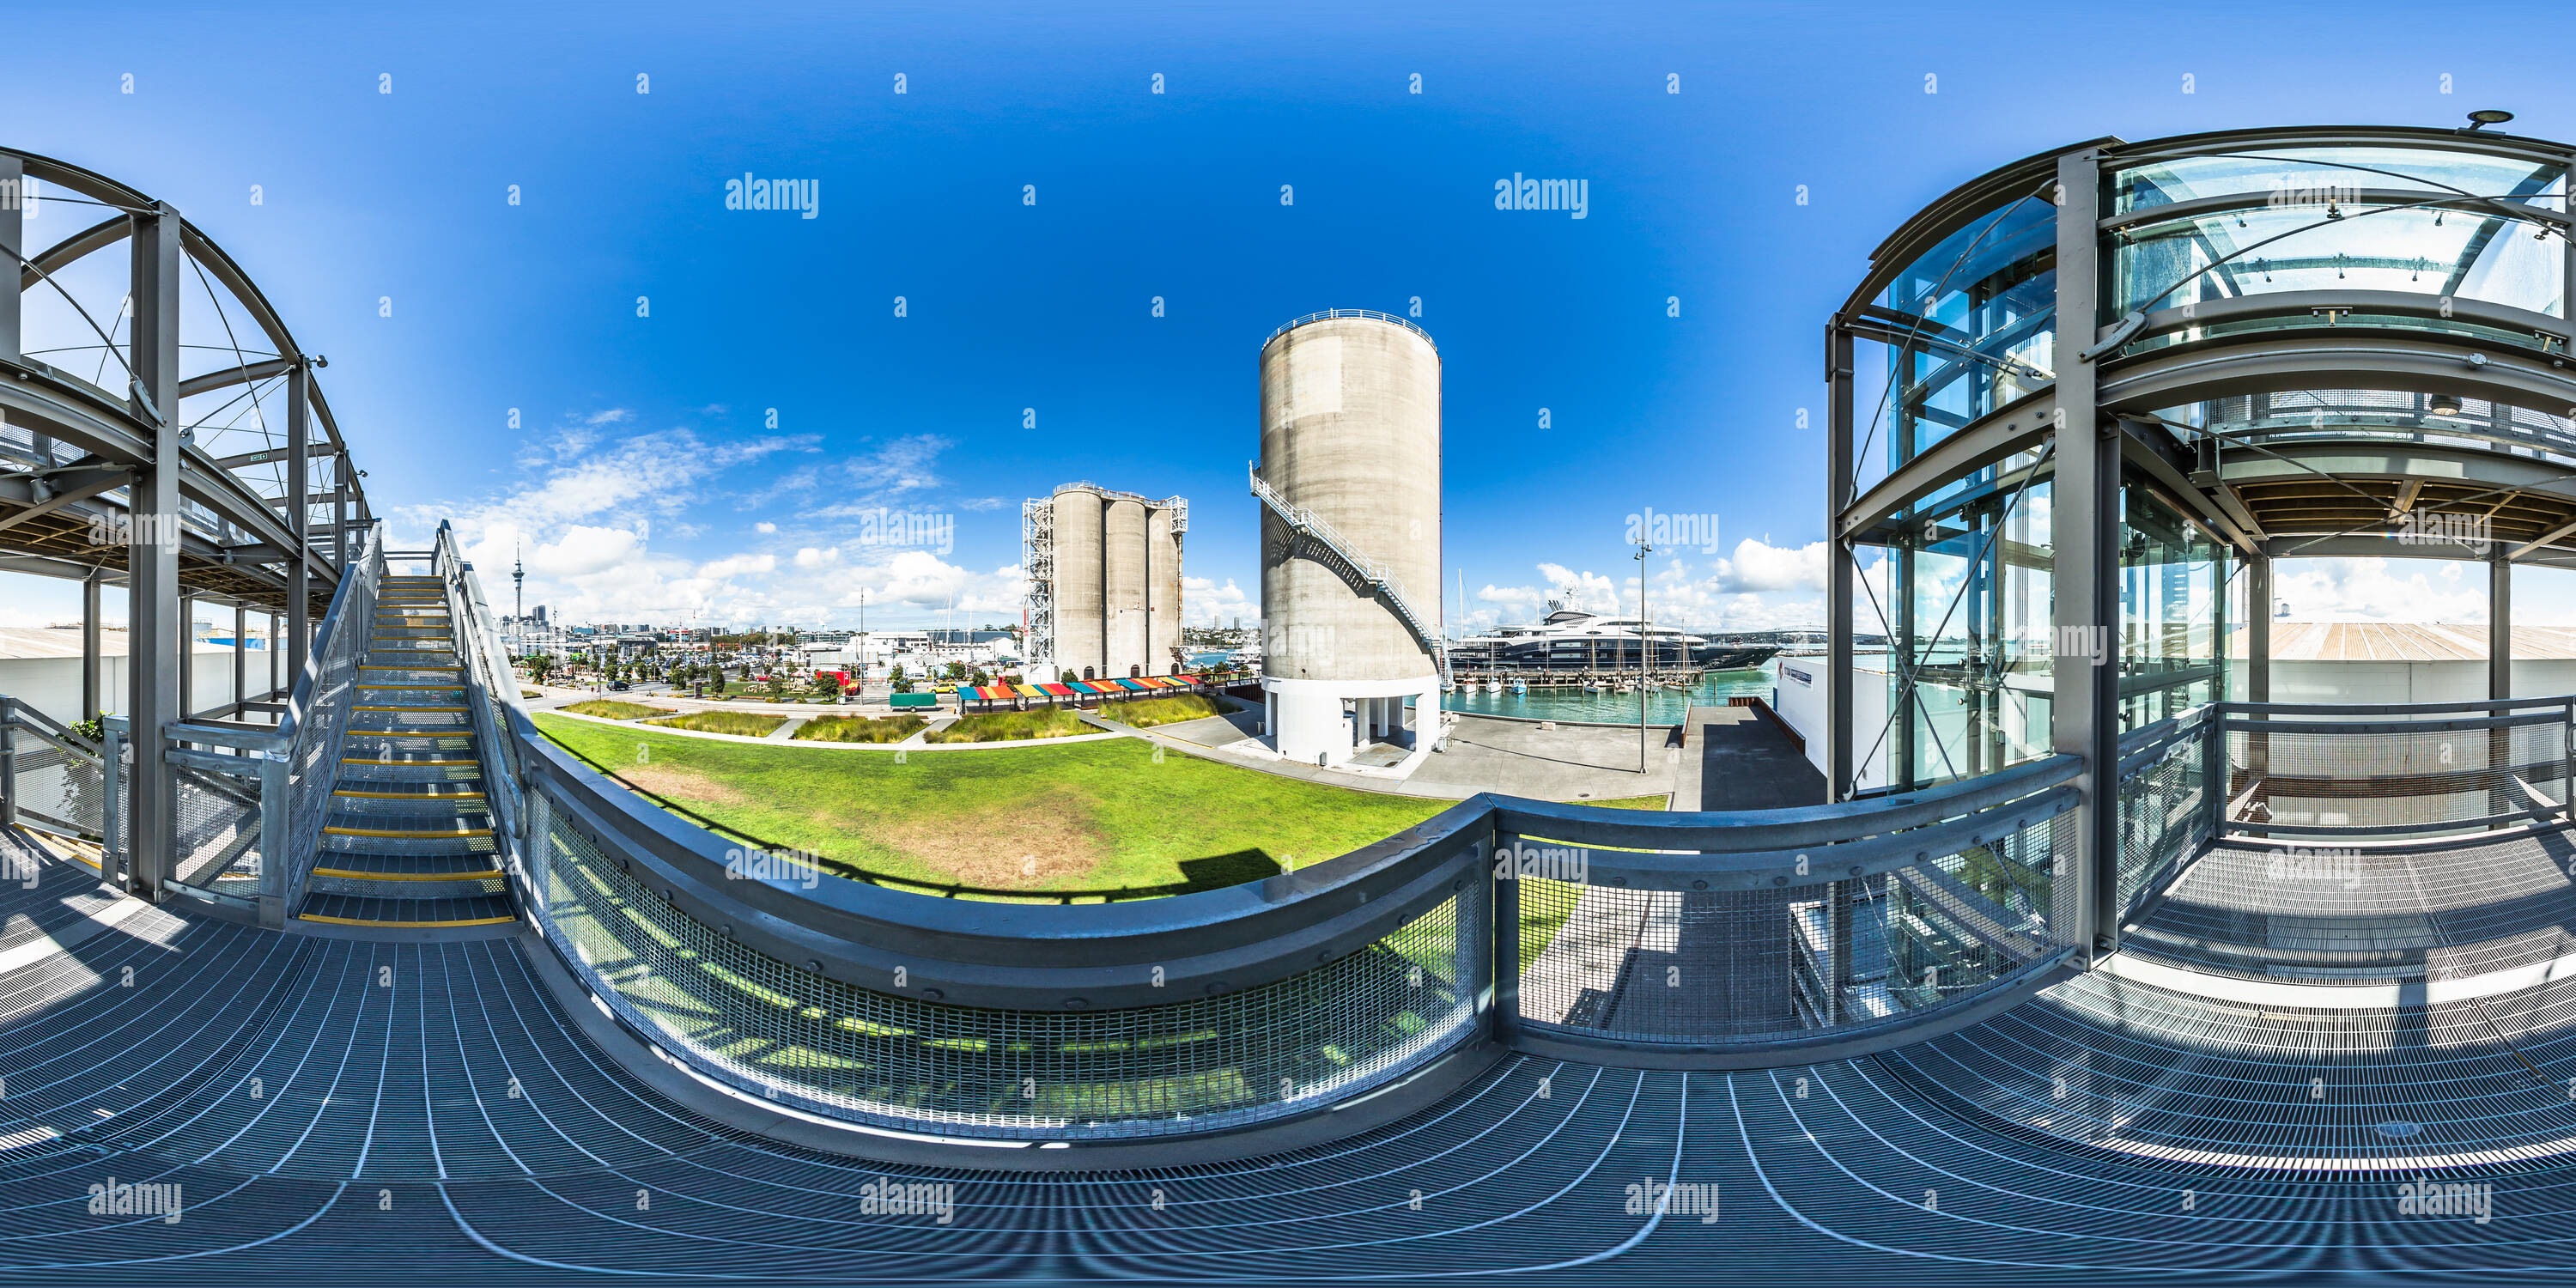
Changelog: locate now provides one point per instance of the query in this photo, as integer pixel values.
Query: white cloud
(2369, 590)
(1205, 603)
(765, 528)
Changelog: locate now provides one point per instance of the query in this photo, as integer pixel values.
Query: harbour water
(1663, 706)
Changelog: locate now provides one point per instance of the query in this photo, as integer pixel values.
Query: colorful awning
(1054, 690)
(1028, 691)
(986, 693)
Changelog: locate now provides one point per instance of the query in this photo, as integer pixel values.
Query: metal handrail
(1373, 315)
(1380, 576)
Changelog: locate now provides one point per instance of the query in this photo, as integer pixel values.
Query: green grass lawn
(1087, 816)
(612, 709)
(741, 724)
(857, 729)
(1146, 713)
(1012, 726)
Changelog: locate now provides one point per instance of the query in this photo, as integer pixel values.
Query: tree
(957, 670)
(1067, 677)
(978, 678)
(827, 684)
(902, 683)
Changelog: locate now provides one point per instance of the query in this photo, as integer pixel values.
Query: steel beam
(89, 649)
(153, 625)
(2084, 530)
(2016, 428)
(1839, 732)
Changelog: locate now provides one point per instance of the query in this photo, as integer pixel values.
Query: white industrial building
(41, 666)
(1349, 488)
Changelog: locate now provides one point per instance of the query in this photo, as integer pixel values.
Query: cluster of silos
(1350, 432)
(1115, 584)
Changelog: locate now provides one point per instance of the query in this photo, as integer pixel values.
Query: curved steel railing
(1871, 924)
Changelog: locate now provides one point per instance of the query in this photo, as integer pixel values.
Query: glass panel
(2172, 590)
(2322, 247)
(1983, 305)
(2406, 169)
(1972, 620)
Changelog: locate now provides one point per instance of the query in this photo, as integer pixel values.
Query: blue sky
(647, 481)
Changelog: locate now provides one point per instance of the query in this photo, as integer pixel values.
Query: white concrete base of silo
(1304, 720)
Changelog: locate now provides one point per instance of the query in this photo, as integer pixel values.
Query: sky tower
(518, 586)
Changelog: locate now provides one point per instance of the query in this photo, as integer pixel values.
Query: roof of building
(2405, 642)
(65, 641)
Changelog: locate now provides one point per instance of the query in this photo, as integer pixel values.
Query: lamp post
(1643, 641)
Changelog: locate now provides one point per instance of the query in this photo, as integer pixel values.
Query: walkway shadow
(1217, 871)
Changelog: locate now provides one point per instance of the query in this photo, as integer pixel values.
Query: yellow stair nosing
(407, 796)
(347, 875)
(409, 763)
(404, 925)
(405, 834)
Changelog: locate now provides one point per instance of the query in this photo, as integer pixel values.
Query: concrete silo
(1079, 573)
(1123, 599)
(1104, 573)
(1163, 531)
(1349, 480)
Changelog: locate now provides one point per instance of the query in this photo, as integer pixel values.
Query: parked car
(620, 687)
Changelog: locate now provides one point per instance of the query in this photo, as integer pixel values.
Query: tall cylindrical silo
(1350, 430)
(1123, 545)
(1078, 571)
(1163, 592)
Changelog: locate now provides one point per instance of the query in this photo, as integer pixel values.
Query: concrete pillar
(155, 629)
(2084, 529)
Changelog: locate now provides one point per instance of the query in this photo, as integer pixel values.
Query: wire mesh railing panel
(60, 788)
(1700, 966)
(314, 760)
(217, 846)
(2166, 815)
(1205, 1064)
(2384, 779)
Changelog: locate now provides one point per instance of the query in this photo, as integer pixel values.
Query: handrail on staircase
(1380, 576)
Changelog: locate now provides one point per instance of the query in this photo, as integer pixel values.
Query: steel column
(2499, 624)
(154, 631)
(1839, 566)
(2084, 529)
(299, 520)
(241, 660)
(89, 648)
(13, 228)
(2258, 628)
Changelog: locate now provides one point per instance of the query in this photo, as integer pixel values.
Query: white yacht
(1573, 641)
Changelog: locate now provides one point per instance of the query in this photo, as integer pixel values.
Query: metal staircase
(408, 838)
(1375, 574)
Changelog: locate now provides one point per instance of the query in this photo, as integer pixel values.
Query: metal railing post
(113, 867)
(1506, 1020)
(2567, 766)
(2213, 768)
(8, 762)
(276, 845)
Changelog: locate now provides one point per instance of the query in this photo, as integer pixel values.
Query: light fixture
(2486, 116)
(2443, 404)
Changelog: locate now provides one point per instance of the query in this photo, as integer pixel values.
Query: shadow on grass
(1217, 871)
